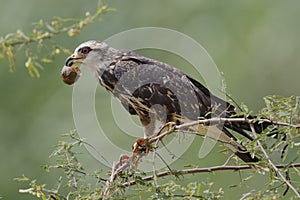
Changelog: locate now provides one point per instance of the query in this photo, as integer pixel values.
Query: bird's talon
(141, 146)
(122, 160)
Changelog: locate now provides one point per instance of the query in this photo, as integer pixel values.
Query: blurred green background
(254, 43)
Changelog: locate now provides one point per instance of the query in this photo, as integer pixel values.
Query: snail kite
(156, 91)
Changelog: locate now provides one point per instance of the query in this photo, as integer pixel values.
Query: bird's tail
(243, 128)
(237, 148)
(259, 127)
(223, 135)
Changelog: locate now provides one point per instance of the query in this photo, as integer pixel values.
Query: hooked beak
(73, 59)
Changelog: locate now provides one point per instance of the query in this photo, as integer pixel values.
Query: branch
(78, 25)
(171, 127)
(204, 170)
(217, 120)
(42, 31)
(283, 178)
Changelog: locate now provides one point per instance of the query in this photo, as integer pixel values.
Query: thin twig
(217, 120)
(228, 159)
(81, 140)
(48, 35)
(71, 171)
(283, 178)
(153, 159)
(204, 170)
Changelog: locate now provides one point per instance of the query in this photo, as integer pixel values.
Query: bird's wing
(153, 83)
(159, 83)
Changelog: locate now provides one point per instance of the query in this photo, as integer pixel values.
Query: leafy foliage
(78, 183)
(74, 183)
(33, 43)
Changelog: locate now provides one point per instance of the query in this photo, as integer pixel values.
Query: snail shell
(70, 74)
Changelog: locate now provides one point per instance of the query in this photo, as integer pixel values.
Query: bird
(158, 92)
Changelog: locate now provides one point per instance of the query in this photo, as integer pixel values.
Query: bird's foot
(125, 167)
(141, 146)
(122, 161)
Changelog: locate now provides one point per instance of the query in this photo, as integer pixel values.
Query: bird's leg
(149, 123)
(142, 146)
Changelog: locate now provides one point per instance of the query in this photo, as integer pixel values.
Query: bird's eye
(85, 50)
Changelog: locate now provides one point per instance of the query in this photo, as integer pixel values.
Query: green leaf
(22, 179)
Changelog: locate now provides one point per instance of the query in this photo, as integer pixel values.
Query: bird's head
(91, 54)
(88, 53)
